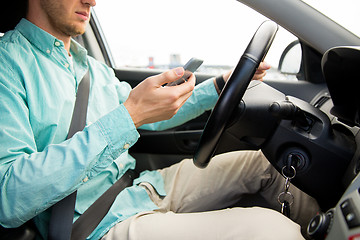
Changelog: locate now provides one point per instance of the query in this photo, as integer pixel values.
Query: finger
(168, 76)
(259, 76)
(184, 98)
(259, 71)
(187, 86)
(264, 66)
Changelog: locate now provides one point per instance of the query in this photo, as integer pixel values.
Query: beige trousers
(192, 208)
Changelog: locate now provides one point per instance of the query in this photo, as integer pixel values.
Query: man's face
(68, 17)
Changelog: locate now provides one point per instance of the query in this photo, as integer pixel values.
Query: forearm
(30, 183)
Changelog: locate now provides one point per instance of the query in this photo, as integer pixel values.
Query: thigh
(229, 178)
(235, 223)
(226, 179)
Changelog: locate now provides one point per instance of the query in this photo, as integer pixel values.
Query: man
(40, 71)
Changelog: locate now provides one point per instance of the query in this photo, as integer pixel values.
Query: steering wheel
(234, 91)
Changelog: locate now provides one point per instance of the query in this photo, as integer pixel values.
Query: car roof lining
(306, 23)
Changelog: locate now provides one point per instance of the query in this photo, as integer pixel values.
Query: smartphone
(191, 66)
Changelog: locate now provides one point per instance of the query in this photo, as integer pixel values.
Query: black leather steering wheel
(234, 91)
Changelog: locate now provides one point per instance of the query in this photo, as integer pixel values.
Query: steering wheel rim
(234, 91)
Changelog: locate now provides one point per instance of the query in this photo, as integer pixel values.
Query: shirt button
(57, 44)
(85, 179)
(66, 65)
(121, 166)
(48, 51)
(126, 146)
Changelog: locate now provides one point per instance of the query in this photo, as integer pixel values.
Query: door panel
(135, 75)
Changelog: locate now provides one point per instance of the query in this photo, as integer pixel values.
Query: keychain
(285, 198)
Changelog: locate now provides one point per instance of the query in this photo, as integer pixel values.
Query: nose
(92, 3)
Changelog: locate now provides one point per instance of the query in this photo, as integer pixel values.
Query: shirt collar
(36, 36)
(47, 42)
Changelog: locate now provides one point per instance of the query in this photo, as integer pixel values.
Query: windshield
(344, 12)
(163, 34)
(141, 36)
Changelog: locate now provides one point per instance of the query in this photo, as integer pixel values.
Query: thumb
(170, 76)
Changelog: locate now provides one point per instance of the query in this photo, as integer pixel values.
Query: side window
(162, 34)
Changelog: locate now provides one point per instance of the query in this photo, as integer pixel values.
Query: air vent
(321, 101)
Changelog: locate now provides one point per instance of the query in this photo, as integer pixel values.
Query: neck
(35, 17)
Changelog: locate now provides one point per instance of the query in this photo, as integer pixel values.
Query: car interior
(311, 125)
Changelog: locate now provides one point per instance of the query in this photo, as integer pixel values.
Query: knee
(263, 223)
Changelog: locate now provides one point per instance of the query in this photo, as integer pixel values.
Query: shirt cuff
(118, 130)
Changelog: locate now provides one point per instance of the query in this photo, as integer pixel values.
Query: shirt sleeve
(204, 98)
(31, 180)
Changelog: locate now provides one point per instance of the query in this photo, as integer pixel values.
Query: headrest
(12, 12)
(340, 68)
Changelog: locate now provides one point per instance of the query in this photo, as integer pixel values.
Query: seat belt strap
(91, 218)
(62, 213)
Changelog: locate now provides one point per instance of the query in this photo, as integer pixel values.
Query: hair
(12, 12)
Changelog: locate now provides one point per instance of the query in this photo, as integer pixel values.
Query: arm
(32, 178)
(204, 98)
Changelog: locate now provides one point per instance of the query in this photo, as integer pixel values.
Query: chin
(74, 30)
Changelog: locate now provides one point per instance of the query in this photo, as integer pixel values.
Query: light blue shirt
(38, 166)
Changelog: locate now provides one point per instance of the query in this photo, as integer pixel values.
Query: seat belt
(62, 213)
(61, 225)
(89, 220)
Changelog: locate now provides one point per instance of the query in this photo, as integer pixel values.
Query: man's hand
(150, 102)
(259, 74)
(261, 71)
